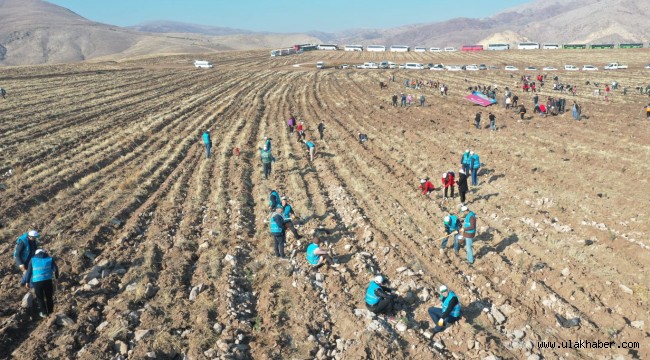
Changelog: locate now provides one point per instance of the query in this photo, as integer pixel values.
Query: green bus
(630, 46)
(602, 46)
(574, 46)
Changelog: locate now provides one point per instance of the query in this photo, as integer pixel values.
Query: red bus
(471, 48)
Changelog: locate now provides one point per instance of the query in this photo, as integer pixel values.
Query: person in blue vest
(278, 230)
(449, 313)
(379, 297)
(40, 272)
(267, 161)
(207, 141)
(469, 232)
(475, 165)
(452, 228)
(464, 161)
(26, 246)
(274, 201)
(316, 256)
(267, 143)
(287, 211)
(311, 148)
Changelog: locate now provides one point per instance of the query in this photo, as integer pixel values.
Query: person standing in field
(321, 129)
(207, 141)
(469, 232)
(422, 99)
(394, 100)
(3, 93)
(39, 276)
(301, 130)
(448, 181)
(287, 211)
(463, 187)
(493, 121)
(475, 165)
(278, 230)
(477, 120)
(403, 102)
(267, 161)
(291, 123)
(26, 246)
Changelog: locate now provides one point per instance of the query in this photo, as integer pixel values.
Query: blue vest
(24, 255)
(274, 226)
(476, 163)
(275, 199)
(311, 257)
(206, 137)
(455, 312)
(310, 144)
(287, 213)
(453, 224)
(465, 159)
(371, 298)
(41, 269)
(467, 223)
(266, 156)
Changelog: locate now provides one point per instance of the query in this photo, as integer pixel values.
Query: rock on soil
(64, 320)
(498, 316)
(28, 300)
(639, 324)
(141, 334)
(121, 347)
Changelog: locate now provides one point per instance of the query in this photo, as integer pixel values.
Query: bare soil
(106, 160)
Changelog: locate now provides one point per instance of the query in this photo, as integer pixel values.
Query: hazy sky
(285, 15)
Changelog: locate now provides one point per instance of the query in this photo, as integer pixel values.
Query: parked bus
(353, 48)
(574, 46)
(471, 48)
(602, 46)
(551, 46)
(305, 47)
(528, 46)
(630, 46)
(498, 47)
(328, 47)
(376, 48)
(399, 48)
(420, 49)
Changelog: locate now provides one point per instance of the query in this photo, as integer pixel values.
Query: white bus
(328, 47)
(498, 47)
(528, 46)
(551, 46)
(376, 48)
(353, 48)
(399, 48)
(420, 49)
(203, 64)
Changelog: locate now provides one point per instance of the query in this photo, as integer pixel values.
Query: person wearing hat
(278, 230)
(449, 313)
(463, 188)
(40, 272)
(274, 200)
(26, 246)
(316, 256)
(448, 181)
(207, 141)
(311, 148)
(475, 165)
(379, 297)
(287, 211)
(267, 159)
(469, 231)
(452, 226)
(426, 186)
(464, 161)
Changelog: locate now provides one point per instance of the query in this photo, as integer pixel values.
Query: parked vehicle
(420, 49)
(320, 65)
(414, 66)
(383, 65)
(454, 68)
(510, 68)
(371, 65)
(549, 68)
(647, 66)
(531, 68)
(472, 67)
(571, 68)
(435, 49)
(345, 66)
(437, 67)
(202, 64)
(450, 49)
(615, 66)
(482, 67)
(589, 68)
(392, 65)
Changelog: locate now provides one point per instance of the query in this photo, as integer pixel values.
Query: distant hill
(163, 26)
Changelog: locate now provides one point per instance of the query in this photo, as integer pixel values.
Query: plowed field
(107, 161)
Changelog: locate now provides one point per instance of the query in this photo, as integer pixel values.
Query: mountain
(163, 26)
(566, 21)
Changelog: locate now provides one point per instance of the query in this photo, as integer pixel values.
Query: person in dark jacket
(26, 246)
(522, 111)
(379, 297)
(362, 138)
(39, 275)
(321, 129)
(463, 188)
(477, 120)
(278, 230)
(449, 313)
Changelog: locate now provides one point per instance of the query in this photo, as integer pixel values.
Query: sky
(285, 15)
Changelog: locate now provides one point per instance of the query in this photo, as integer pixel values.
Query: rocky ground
(166, 255)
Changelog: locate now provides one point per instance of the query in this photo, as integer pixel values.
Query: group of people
(406, 100)
(39, 270)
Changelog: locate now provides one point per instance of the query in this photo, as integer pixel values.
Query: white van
(371, 65)
(435, 49)
(203, 64)
(472, 67)
(571, 68)
(450, 49)
(414, 66)
(320, 65)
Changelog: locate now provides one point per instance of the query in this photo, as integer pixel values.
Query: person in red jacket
(300, 129)
(426, 186)
(448, 181)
